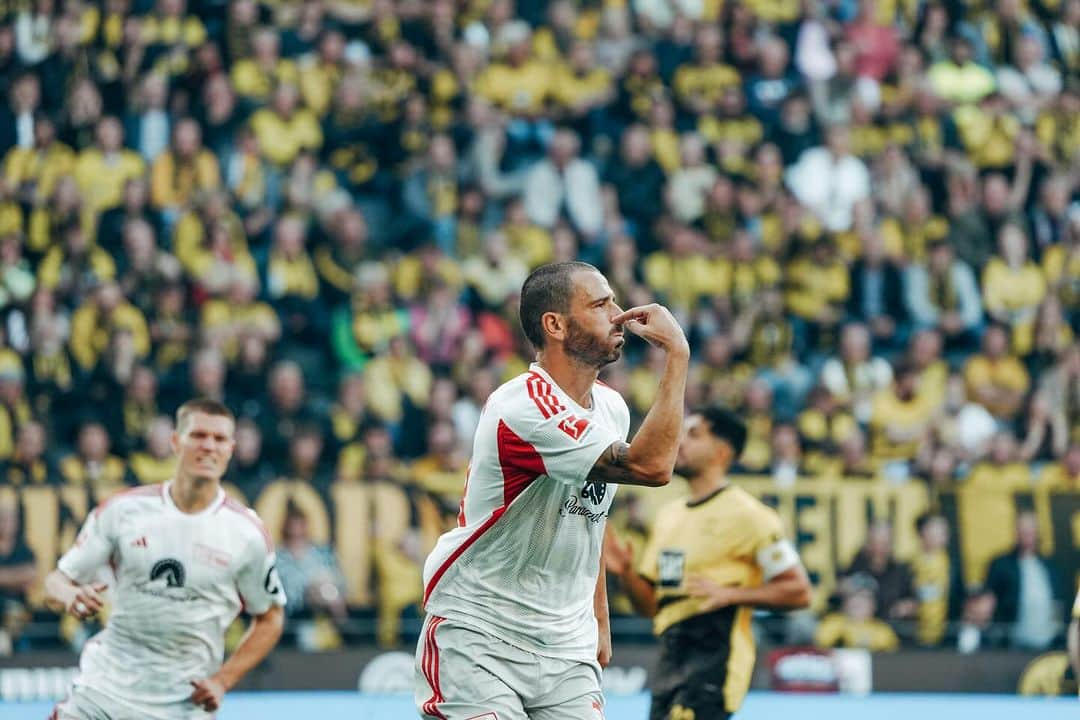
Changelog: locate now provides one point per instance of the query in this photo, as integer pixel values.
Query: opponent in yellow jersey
(710, 559)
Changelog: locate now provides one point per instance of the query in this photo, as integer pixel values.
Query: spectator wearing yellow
(995, 379)
(1002, 470)
(526, 239)
(1013, 287)
(170, 27)
(901, 418)
(752, 270)
(442, 467)
(254, 78)
(732, 131)
(210, 231)
(15, 410)
(292, 284)
(823, 427)
(321, 72)
(92, 465)
(28, 464)
(908, 236)
(225, 321)
(681, 274)
(767, 336)
(1058, 126)
(666, 143)
(517, 84)
(579, 85)
(1061, 266)
(183, 170)
(74, 264)
(31, 173)
(818, 285)
(283, 130)
(496, 274)
(937, 580)
(989, 132)
(394, 375)
(699, 85)
(155, 463)
(960, 79)
(102, 169)
(1063, 475)
(98, 319)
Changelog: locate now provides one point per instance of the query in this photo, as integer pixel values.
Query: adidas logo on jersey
(139, 542)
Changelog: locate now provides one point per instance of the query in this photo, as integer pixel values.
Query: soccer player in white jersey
(517, 624)
(186, 559)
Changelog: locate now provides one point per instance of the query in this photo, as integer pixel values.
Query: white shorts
(84, 703)
(465, 674)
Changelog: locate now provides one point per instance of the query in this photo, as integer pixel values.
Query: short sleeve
(773, 553)
(92, 549)
(570, 446)
(258, 583)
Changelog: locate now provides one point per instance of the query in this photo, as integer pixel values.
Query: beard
(587, 349)
(684, 469)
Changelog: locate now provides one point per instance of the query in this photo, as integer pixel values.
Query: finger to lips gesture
(656, 325)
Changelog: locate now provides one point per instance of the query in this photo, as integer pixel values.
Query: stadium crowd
(864, 213)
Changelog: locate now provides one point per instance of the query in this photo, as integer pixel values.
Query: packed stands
(864, 213)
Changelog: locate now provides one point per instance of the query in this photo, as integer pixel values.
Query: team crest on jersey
(573, 426)
(594, 491)
(172, 571)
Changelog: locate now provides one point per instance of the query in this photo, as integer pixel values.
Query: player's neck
(707, 483)
(572, 378)
(193, 494)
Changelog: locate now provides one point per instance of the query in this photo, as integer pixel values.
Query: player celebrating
(186, 559)
(515, 595)
(709, 559)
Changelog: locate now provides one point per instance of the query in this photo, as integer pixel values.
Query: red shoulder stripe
(541, 393)
(143, 491)
(239, 509)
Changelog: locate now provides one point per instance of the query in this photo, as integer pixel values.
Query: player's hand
(618, 555)
(208, 693)
(656, 325)
(603, 647)
(87, 600)
(714, 595)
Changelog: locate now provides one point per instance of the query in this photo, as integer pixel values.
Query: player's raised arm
(70, 587)
(650, 458)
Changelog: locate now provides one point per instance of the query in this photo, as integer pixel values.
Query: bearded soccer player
(186, 560)
(710, 559)
(517, 623)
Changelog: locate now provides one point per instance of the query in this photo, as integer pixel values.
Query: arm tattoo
(613, 466)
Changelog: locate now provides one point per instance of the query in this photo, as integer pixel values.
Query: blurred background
(864, 212)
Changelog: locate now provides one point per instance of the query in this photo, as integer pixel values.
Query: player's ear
(554, 324)
(174, 441)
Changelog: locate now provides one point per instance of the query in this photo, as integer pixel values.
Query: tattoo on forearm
(613, 466)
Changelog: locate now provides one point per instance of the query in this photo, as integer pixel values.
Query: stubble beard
(586, 349)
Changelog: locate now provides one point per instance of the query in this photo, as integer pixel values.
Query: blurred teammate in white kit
(517, 624)
(186, 560)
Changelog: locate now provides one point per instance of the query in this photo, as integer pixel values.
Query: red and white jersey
(522, 563)
(181, 579)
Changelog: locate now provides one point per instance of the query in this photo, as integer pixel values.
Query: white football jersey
(181, 579)
(522, 563)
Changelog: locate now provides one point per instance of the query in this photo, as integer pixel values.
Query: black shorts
(690, 677)
(690, 702)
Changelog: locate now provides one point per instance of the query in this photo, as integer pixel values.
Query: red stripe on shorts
(429, 664)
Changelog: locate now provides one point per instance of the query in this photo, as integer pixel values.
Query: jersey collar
(536, 368)
(166, 496)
